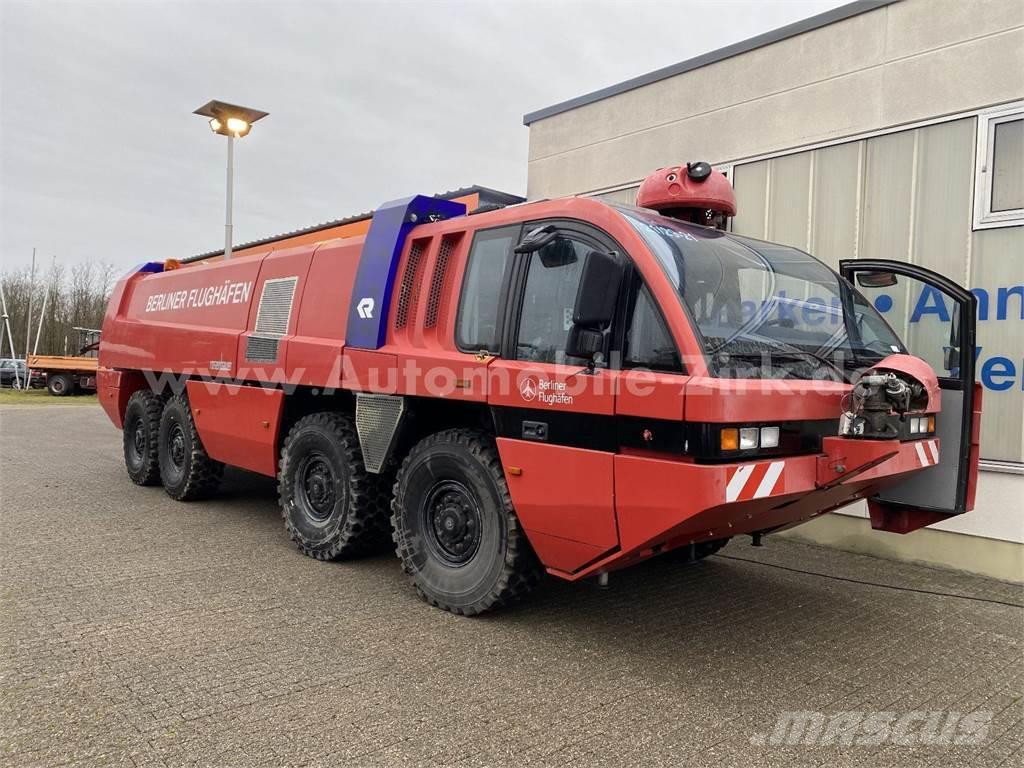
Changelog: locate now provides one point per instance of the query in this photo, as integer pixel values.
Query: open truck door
(936, 319)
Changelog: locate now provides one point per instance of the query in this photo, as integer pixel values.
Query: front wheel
(454, 526)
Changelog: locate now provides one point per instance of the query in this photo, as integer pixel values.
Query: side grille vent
(437, 280)
(276, 306)
(272, 318)
(409, 290)
(260, 349)
(377, 419)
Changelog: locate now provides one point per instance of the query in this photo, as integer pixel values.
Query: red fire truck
(565, 387)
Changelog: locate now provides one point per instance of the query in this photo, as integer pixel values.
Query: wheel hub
(454, 522)
(139, 439)
(316, 481)
(177, 439)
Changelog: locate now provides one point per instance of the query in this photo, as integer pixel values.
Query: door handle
(535, 430)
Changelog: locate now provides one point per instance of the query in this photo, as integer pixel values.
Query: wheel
(142, 437)
(186, 471)
(455, 530)
(691, 554)
(332, 507)
(59, 384)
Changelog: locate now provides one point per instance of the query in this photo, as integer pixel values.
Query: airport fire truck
(565, 386)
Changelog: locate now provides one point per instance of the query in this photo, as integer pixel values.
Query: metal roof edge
(492, 195)
(758, 41)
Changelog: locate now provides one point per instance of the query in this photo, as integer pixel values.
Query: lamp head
(230, 119)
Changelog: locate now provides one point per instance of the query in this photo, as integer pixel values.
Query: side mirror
(876, 279)
(594, 310)
(560, 252)
(599, 290)
(587, 343)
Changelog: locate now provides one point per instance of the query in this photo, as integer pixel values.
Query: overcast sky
(102, 159)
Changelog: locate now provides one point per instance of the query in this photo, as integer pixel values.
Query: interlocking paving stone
(138, 631)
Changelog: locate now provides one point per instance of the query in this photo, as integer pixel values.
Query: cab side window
(480, 301)
(648, 342)
(552, 279)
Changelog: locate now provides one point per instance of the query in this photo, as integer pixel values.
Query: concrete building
(888, 129)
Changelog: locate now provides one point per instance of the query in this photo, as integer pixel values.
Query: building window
(999, 170)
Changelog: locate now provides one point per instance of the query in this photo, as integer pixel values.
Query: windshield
(764, 310)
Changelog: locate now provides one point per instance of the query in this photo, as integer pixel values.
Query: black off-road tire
(448, 479)
(141, 437)
(186, 471)
(332, 507)
(60, 384)
(699, 551)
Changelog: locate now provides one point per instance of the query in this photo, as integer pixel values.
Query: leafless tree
(74, 297)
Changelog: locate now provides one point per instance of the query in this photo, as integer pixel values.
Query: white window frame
(984, 216)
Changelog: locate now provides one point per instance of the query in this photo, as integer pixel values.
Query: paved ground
(138, 630)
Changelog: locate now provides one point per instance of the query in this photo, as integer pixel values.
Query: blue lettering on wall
(931, 301)
(1004, 295)
(997, 373)
(813, 315)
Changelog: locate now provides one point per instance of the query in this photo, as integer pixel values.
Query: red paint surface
(975, 456)
(238, 425)
(759, 400)
(563, 492)
(669, 188)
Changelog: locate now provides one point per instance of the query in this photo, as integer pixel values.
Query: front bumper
(663, 504)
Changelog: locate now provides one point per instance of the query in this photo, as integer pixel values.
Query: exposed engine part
(878, 402)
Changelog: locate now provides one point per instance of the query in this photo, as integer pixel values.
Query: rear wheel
(142, 437)
(186, 471)
(59, 384)
(454, 527)
(332, 507)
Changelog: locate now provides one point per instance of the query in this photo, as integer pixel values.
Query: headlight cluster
(748, 438)
(922, 425)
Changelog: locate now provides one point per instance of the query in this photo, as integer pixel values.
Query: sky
(102, 159)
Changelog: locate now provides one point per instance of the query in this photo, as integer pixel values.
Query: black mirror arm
(537, 239)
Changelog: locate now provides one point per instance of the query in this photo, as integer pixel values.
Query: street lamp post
(234, 122)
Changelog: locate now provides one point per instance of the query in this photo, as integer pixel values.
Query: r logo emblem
(528, 389)
(365, 308)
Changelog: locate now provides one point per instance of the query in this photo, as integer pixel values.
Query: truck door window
(480, 301)
(552, 279)
(923, 316)
(648, 343)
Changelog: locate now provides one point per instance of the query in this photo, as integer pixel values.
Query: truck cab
(565, 386)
